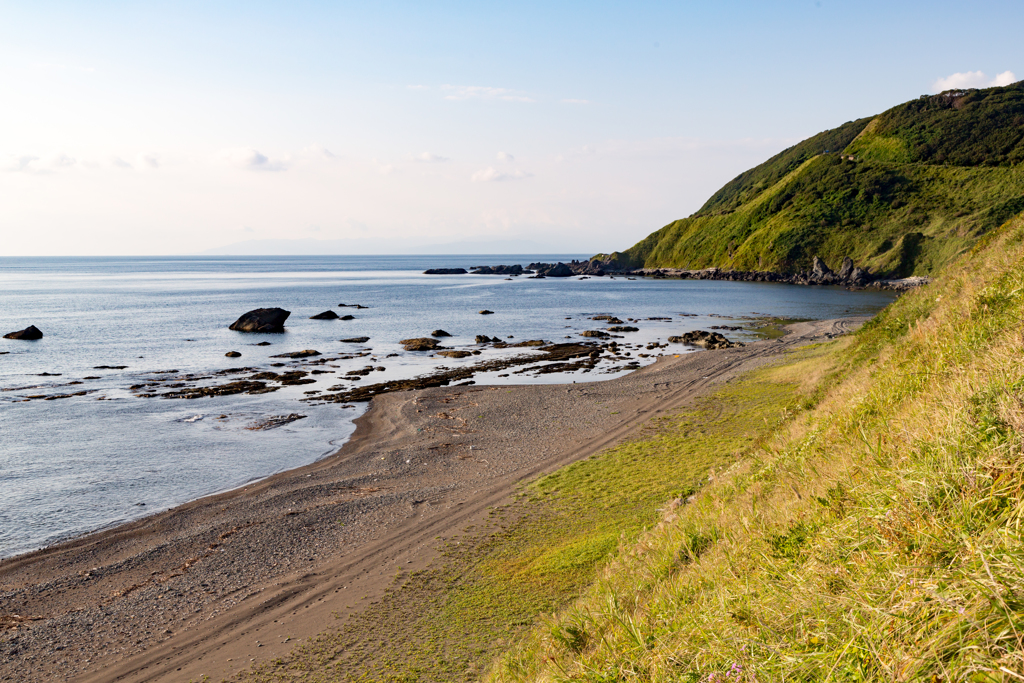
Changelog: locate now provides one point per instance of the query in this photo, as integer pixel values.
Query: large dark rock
(821, 273)
(444, 271)
(847, 270)
(859, 276)
(262, 320)
(592, 267)
(439, 333)
(552, 270)
(326, 315)
(708, 340)
(30, 333)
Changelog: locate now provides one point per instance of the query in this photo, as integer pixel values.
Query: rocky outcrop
(420, 344)
(849, 275)
(484, 339)
(623, 328)
(261, 320)
(439, 333)
(445, 271)
(501, 270)
(233, 354)
(901, 285)
(705, 339)
(326, 315)
(30, 333)
(355, 340)
(551, 269)
(298, 354)
(591, 267)
(600, 334)
(486, 312)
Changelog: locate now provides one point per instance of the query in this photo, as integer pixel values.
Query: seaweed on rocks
(444, 377)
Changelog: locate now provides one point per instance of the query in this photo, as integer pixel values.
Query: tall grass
(879, 537)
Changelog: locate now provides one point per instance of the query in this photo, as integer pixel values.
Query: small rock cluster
(705, 339)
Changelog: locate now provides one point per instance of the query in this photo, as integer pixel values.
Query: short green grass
(448, 622)
(879, 537)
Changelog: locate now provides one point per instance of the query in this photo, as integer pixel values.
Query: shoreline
(189, 591)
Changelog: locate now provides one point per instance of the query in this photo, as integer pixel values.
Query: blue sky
(151, 128)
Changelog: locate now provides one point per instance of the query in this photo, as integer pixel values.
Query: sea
(81, 449)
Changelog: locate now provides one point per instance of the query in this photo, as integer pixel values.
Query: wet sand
(216, 585)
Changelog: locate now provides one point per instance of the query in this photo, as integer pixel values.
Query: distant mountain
(900, 193)
(313, 247)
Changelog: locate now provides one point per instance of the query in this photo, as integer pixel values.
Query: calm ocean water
(78, 464)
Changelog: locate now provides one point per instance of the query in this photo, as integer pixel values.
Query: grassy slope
(931, 176)
(448, 622)
(879, 537)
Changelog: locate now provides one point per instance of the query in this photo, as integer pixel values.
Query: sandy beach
(216, 585)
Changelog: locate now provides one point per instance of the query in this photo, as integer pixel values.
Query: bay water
(102, 456)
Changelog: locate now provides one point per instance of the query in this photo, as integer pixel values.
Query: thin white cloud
(62, 161)
(118, 162)
(250, 159)
(506, 157)
(491, 174)
(972, 79)
(428, 158)
(418, 87)
(573, 101)
(384, 168)
(23, 164)
(150, 160)
(476, 92)
(318, 151)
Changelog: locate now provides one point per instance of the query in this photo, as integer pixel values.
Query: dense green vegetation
(878, 538)
(749, 184)
(956, 128)
(910, 190)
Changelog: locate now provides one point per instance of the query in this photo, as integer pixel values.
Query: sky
(157, 128)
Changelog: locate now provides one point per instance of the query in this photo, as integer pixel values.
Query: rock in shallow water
(326, 315)
(233, 354)
(30, 333)
(708, 340)
(261, 320)
(420, 344)
(298, 354)
(455, 354)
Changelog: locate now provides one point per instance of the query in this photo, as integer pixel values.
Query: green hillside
(901, 193)
(878, 535)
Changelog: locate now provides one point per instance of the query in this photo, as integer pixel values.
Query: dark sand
(215, 585)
